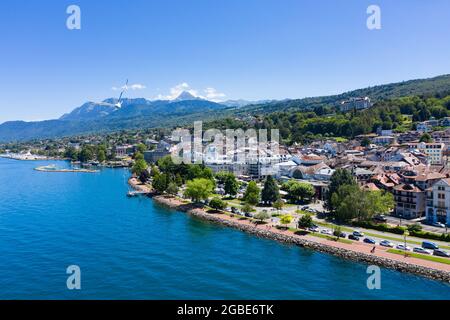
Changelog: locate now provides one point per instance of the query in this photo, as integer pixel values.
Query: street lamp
(406, 233)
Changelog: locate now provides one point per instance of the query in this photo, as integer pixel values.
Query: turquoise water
(136, 249)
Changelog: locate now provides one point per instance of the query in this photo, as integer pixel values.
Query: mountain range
(105, 116)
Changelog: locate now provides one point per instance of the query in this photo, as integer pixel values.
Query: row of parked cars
(427, 247)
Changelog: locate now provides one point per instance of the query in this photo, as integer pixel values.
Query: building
(124, 151)
(162, 150)
(438, 202)
(383, 140)
(409, 201)
(355, 104)
(433, 151)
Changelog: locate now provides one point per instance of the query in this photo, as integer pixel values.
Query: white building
(438, 202)
(433, 151)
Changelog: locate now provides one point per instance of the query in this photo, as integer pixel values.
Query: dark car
(380, 218)
(353, 237)
(441, 253)
(368, 240)
(430, 245)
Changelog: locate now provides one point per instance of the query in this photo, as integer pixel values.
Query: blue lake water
(136, 249)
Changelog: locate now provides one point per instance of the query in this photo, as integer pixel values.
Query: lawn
(421, 256)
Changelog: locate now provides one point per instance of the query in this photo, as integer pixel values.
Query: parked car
(386, 243)
(380, 218)
(326, 231)
(403, 247)
(422, 250)
(248, 215)
(353, 237)
(314, 229)
(438, 224)
(341, 234)
(358, 233)
(368, 240)
(441, 253)
(430, 245)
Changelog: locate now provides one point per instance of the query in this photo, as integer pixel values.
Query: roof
(407, 188)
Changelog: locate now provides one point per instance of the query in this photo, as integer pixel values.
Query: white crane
(119, 102)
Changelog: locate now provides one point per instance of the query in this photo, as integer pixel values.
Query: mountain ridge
(143, 113)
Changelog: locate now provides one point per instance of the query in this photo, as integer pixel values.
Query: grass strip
(421, 256)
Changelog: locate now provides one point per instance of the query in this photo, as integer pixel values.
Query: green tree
(139, 166)
(172, 189)
(160, 182)
(339, 178)
(337, 231)
(71, 153)
(261, 216)
(231, 185)
(86, 154)
(426, 138)
(217, 204)
(286, 219)
(144, 176)
(246, 208)
(141, 148)
(270, 192)
(305, 221)
(279, 204)
(199, 189)
(252, 194)
(365, 142)
(298, 191)
(101, 156)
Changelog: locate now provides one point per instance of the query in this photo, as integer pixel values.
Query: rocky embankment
(302, 242)
(293, 239)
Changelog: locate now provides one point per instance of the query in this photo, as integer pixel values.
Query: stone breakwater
(305, 243)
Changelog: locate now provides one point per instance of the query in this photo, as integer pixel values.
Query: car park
(441, 253)
(422, 250)
(386, 243)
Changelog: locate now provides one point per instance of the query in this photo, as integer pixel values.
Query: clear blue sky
(251, 49)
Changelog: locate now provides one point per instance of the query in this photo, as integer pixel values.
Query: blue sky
(250, 49)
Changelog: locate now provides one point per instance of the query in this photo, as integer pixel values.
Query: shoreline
(358, 252)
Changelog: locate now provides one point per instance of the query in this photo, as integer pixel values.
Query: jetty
(52, 168)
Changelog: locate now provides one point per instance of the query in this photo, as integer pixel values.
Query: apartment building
(438, 202)
(409, 201)
(433, 151)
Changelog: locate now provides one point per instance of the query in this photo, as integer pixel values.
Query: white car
(314, 229)
(358, 233)
(386, 243)
(402, 247)
(439, 225)
(422, 250)
(326, 231)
